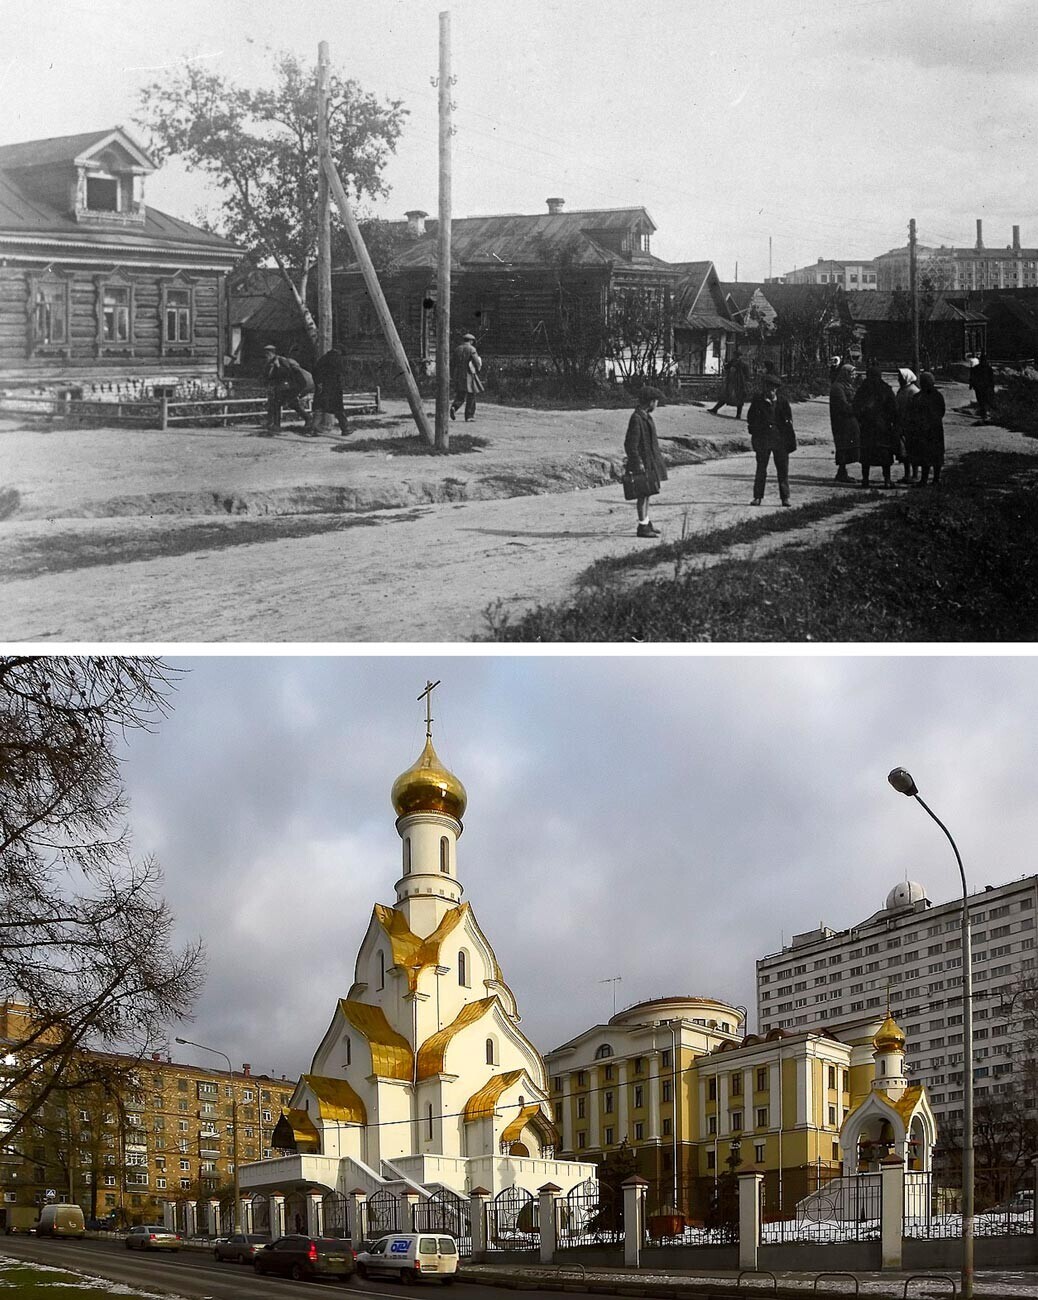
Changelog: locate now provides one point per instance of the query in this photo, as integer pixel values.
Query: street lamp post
(234, 1125)
(903, 784)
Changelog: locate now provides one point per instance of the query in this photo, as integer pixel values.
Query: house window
(50, 313)
(115, 314)
(160, 1184)
(445, 855)
(102, 193)
(177, 316)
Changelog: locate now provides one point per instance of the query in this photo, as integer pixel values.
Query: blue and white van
(410, 1257)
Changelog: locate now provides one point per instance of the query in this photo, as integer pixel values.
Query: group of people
(288, 383)
(873, 426)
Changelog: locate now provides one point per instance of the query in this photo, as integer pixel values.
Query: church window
(381, 969)
(603, 1051)
(429, 1121)
(490, 1052)
(463, 969)
(348, 1049)
(445, 855)
(407, 855)
(522, 1101)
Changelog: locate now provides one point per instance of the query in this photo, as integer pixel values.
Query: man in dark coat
(736, 383)
(875, 407)
(844, 423)
(770, 422)
(328, 385)
(467, 383)
(287, 382)
(982, 381)
(642, 448)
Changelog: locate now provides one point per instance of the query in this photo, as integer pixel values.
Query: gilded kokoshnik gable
(423, 1076)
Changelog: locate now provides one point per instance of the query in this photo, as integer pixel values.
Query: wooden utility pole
(378, 298)
(913, 290)
(324, 219)
(443, 245)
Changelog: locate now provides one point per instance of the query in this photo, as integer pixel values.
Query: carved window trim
(178, 283)
(116, 279)
(48, 278)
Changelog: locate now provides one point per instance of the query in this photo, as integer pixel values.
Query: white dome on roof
(905, 894)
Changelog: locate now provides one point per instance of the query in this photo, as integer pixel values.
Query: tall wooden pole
(378, 298)
(443, 259)
(324, 219)
(913, 290)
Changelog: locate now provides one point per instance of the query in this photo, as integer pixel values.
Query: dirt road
(217, 536)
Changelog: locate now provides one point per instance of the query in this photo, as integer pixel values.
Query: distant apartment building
(847, 274)
(960, 270)
(910, 953)
(159, 1146)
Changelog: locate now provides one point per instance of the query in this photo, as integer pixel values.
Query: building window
(666, 1090)
(463, 974)
(737, 1120)
(666, 1127)
(160, 1184)
(608, 1103)
(581, 1107)
(558, 1112)
(490, 1052)
(832, 1116)
(638, 1101)
(115, 314)
(711, 1090)
(381, 969)
(603, 1051)
(429, 1121)
(177, 316)
(348, 1049)
(736, 1085)
(581, 1141)
(608, 1073)
(102, 193)
(445, 855)
(832, 1076)
(665, 1060)
(407, 855)
(762, 1079)
(51, 311)
(762, 1117)
(710, 1160)
(758, 1152)
(639, 1132)
(711, 1124)
(609, 1137)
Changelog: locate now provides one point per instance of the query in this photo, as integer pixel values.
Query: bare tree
(87, 958)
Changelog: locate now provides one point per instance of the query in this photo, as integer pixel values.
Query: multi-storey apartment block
(910, 951)
(159, 1146)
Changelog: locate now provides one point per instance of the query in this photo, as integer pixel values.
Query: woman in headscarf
(907, 387)
(928, 429)
(876, 410)
(846, 434)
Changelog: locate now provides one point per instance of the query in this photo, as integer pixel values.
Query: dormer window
(102, 193)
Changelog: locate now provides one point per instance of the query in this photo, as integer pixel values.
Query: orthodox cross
(427, 694)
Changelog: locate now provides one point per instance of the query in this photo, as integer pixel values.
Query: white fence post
(358, 1198)
(633, 1189)
(892, 1211)
(479, 1198)
(547, 1196)
(749, 1218)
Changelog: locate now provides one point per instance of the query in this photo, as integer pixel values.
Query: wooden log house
(95, 286)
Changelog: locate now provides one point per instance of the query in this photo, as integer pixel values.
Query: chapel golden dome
(427, 786)
(890, 1035)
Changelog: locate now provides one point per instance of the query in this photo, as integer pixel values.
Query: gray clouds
(666, 819)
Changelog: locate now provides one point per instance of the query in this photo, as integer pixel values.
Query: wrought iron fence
(335, 1214)
(1004, 1201)
(513, 1221)
(445, 1211)
(692, 1212)
(844, 1209)
(383, 1212)
(590, 1214)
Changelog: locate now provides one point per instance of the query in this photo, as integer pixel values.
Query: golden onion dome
(890, 1035)
(427, 786)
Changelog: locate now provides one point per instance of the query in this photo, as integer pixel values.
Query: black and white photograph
(518, 322)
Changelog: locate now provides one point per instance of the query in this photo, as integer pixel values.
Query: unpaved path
(217, 537)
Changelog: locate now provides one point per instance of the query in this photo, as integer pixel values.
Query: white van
(61, 1221)
(410, 1256)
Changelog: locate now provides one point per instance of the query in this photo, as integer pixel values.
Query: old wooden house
(94, 284)
(705, 329)
(526, 286)
(948, 330)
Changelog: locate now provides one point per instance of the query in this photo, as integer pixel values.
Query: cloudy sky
(663, 819)
(822, 126)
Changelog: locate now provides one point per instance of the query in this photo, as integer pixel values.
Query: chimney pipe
(416, 221)
(246, 1068)
(555, 206)
(1016, 239)
(980, 234)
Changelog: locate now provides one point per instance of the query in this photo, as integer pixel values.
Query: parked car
(410, 1256)
(240, 1248)
(306, 1257)
(60, 1221)
(152, 1236)
(102, 1225)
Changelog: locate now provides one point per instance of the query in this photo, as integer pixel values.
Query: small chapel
(423, 1083)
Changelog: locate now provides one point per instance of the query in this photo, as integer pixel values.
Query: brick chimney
(416, 221)
(980, 234)
(1016, 239)
(246, 1069)
(555, 206)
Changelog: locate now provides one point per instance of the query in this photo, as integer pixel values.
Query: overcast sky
(663, 819)
(823, 125)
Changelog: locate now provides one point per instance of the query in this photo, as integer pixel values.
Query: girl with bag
(645, 470)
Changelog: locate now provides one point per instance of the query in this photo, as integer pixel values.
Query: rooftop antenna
(616, 979)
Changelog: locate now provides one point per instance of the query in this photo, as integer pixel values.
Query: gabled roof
(887, 305)
(391, 1056)
(699, 301)
(740, 292)
(69, 148)
(519, 239)
(336, 1100)
(434, 1049)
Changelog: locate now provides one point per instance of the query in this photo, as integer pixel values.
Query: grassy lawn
(42, 1282)
(955, 564)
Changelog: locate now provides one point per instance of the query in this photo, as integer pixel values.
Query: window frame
(60, 282)
(115, 282)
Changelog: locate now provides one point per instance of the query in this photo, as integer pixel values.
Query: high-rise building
(910, 952)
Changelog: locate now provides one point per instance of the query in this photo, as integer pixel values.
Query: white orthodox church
(423, 1080)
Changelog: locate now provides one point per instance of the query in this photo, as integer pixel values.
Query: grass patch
(43, 1282)
(958, 564)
